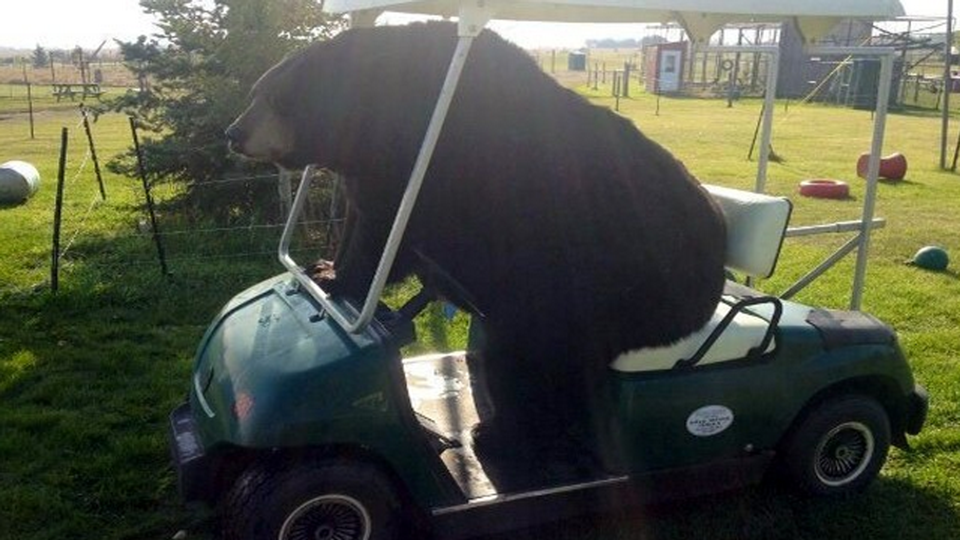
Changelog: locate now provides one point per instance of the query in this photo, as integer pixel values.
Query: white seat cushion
(745, 332)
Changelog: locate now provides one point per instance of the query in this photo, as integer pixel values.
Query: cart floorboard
(449, 403)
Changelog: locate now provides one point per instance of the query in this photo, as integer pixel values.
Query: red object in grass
(824, 188)
(892, 167)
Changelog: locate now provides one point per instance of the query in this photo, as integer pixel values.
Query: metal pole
(58, 214)
(416, 177)
(30, 105)
(616, 90)
(756, 131)
(146, 190)
(838, 227)
(956, 154)
(873, 171)
(407, 203)
(735, 72)
(285, 191)
(801, 283)
(947, 82)
(625, 83)
(769, 97)
(93, 152)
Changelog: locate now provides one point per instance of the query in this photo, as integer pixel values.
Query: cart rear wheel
(312, 501)
(839, 447)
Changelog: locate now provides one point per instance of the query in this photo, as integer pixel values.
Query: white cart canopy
(700, 18)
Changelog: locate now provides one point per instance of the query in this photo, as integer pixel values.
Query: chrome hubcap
(328, 517)
(844, 453)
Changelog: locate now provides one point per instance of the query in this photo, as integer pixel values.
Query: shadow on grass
(84, 393)
(950, 273)
(8, 205)
(889, 510)
(921, 112)
(87, 379)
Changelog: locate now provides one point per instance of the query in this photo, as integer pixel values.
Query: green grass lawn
(88, 376)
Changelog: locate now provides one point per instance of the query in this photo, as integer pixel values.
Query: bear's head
(361, 98)
(284, 103)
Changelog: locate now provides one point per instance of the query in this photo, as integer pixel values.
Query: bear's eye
(281, 105)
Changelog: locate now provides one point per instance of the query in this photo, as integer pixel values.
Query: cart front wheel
(312, 501)
(839, 447)
(328, 517)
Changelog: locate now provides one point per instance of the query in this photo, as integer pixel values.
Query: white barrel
(19, 180)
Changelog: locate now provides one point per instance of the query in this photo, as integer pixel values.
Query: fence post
(93, 151)
(30, 106)
(626, 79)
(617, 81)
(285, 189)
(57, 215)
(146, 190)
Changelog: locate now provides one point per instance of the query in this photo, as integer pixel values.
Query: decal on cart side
(709, 420)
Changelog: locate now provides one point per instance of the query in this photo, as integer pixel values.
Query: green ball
(932, 258)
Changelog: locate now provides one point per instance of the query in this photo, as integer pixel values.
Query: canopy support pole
(473, 18)
(886, 56)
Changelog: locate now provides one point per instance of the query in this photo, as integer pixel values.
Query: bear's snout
(235, 137)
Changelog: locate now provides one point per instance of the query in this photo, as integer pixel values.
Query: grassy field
(14, 99)
(111, 73)
(88, 375)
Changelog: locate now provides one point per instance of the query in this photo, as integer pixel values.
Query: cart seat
(756, 224)
(742, 335)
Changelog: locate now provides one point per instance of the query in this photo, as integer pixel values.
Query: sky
(65, 24)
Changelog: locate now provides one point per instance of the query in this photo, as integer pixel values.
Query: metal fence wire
(113, 235)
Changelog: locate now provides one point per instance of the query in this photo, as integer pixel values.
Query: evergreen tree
(40, 57)
(194, 80)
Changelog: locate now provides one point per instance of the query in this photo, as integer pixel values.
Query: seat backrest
(756, 224)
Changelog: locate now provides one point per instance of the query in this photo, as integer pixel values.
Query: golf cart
(305, 421)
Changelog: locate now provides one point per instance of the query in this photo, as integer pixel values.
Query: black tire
(839, 447)
(333, 500)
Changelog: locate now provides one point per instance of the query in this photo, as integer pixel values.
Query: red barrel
(892, 167)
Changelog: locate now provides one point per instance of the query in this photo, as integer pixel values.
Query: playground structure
(918, 67)
(835, 78)
(842, 38)
(705, 71)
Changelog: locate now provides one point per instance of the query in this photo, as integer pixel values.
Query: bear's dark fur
(578, 237)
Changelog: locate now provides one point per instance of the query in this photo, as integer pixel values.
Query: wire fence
(102, 236)
(190, 244)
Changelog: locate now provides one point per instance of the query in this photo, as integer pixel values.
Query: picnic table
(72, 90)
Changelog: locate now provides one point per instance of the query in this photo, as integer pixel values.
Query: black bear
(578, 237)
